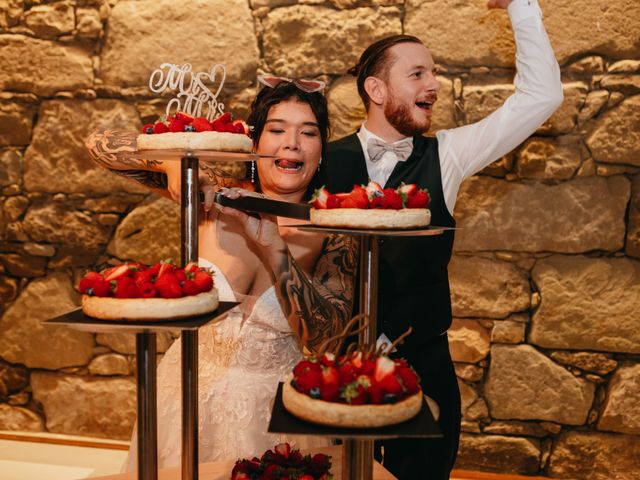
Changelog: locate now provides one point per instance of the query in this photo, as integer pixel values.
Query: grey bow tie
(377, 148)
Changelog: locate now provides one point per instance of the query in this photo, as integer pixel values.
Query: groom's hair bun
(376, 61)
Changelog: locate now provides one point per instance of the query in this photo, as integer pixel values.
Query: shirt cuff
(522, 9)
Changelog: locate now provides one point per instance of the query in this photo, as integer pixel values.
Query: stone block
(524, 384)
(621, 411)
(51, 20)
(587, 304)
(498, 453)
(595, 456)
(486, 288)
(150, 233)
(468, 341)
(296, 43)
(80, 405)
(615, 135)
(35, 65)
(138, 41)
(57, 160)
(25, 340)
(16, 122)
(494, 214)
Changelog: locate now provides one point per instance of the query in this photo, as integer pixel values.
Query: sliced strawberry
(165, 267)
(319, 198)
(360, 197)
(204, 281)
(239, 127)
(333, 201)
(328, 359)
(408, 189)
(373, 188)
(394, 199)
(160, 127)
(191, 268)
(116, 272)
(283, 449)
(356, 360)
(201, 124)
(384, 367)
(184, 117)
(421, 199)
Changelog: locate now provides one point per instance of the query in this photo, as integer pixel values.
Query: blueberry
(314, 392)
(189, 128)
(389, 398)
(149, 130)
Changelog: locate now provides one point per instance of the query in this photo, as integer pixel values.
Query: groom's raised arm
(538, 93)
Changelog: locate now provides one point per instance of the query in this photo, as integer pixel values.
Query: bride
(296, 288)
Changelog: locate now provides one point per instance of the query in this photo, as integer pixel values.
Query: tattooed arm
(319, 307)
(163, 177)
(105, 147)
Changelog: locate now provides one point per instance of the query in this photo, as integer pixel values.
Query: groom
(396, 80)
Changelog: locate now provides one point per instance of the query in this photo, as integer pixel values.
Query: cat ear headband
(309, 86)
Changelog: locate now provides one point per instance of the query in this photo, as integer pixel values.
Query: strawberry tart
(182, 131)
(362, 388)
(283, 462)
(372, 207)
(134, 291)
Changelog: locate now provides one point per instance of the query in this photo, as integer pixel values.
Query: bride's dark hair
(268, 97)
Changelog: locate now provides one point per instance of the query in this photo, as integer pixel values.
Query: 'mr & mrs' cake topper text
(195, 90)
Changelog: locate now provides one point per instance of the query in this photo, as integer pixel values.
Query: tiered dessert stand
(146, 331)
(357, 457)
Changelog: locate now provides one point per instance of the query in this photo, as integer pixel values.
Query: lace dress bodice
(240, 362)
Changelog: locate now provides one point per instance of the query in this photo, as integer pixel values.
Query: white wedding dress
(241, 361)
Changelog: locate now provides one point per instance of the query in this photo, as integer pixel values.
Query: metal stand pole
(357, 455)
(189, 253)
(147, 419)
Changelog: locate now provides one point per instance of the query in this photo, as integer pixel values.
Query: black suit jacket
(413, 278)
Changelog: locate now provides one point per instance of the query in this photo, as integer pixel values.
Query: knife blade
(264, 205)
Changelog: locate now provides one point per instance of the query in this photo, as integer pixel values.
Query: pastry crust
(371, 218)
(219, 141)
(349, 416)
(109, 308)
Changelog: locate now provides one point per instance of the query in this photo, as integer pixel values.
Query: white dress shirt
(466, 150)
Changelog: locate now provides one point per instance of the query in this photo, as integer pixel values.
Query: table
(221, 470)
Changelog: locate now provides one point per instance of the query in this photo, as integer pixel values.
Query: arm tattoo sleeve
(319, 307)
(105, 147)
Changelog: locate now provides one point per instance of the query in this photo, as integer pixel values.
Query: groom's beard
(400, 117)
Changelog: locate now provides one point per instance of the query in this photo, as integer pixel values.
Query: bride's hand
(261, 229)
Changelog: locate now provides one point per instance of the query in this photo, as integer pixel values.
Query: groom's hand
(498, 3)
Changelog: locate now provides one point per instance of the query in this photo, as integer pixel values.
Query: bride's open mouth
(288, 165)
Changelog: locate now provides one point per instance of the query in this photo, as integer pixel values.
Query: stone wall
(546, 276)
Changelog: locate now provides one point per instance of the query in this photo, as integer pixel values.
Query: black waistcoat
(413, 282)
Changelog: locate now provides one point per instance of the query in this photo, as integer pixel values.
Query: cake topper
(195, 90)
